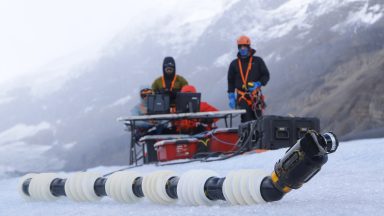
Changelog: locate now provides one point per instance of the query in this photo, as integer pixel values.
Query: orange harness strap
(245, 79)
(172, 83)
(243, 96)
(247, 96)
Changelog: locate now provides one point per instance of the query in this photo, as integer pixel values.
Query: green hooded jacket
(180, 82)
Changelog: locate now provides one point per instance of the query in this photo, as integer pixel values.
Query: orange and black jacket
(187, 125)
(258, 72)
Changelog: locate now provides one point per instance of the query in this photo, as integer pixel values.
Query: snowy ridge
(299, 14)
(22, 131)
(367, 15)
(192, 25)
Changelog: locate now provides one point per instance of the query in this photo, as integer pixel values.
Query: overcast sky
(35, 33)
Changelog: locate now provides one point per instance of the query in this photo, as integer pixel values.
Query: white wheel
(39, 187)
(154, 186)
(88, 186)
(254, 184)
(161, 181)
(45, 186)
(151, 192)
(33, 192)
(126, 189)
(78, 186)
(116, 187)
(20, 186)
(199, 192)
(180, 183)
(108, 185)
(73, 187)
(236, 186)
(113, 186)
(244, 188)
(147, 188)
(190, 188)
(227, 188)
(182, 188)
(240, 187)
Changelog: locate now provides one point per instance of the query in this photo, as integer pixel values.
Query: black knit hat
(169, 62)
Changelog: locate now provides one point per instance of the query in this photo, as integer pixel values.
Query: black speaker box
(274, 132)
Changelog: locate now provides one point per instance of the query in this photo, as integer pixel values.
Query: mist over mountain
(325, 59)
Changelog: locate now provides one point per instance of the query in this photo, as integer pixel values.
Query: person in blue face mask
(246, 75)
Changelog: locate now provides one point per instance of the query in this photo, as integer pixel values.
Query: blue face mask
(244, 52)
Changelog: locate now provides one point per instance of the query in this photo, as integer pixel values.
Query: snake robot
(195, 187)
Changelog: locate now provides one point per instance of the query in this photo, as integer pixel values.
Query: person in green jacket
(170, 81)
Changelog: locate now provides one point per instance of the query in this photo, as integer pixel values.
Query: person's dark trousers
(250, 114)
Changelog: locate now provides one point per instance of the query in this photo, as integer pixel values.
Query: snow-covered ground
(351, 183)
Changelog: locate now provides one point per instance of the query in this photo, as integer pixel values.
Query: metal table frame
(130, 123)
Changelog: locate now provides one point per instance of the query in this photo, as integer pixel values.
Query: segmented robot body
(195, 187)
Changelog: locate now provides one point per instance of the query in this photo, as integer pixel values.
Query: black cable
(122, 169)
(174, 163)
(222, 141)
(241, 150)
(242, 146)
(154, 128)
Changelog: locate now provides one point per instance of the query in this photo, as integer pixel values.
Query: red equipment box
(149, 141)
(176, 149)
(223, 140)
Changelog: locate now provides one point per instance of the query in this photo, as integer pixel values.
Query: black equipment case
(274, 132)
(187, 102)
(158, 104)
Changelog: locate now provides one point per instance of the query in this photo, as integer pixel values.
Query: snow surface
(351, 183)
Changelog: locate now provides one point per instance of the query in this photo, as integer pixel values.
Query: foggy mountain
(325, 59)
